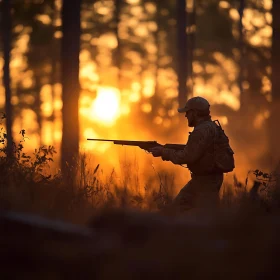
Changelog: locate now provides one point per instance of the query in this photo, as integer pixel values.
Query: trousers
(201, 192)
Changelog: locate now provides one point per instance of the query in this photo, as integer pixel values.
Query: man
(207, 155)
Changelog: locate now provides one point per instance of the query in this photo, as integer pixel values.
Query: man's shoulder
(205, 130)
(205, 126)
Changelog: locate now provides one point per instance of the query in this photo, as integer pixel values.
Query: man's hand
(156, 151)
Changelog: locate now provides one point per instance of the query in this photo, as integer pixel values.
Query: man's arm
(197, 144)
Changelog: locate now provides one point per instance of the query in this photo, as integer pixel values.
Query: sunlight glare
(105, 108)
(98, 147)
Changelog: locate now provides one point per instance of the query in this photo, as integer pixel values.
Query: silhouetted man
(207, 154)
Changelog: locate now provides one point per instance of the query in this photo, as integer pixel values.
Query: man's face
(190, 115)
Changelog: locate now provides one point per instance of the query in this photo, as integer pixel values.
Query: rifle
(145, 145)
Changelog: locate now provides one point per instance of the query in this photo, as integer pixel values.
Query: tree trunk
(157, 41)
(191, 33)
(241, 59)
(275, 51)
(38, 103)
(274, 134)
(182, 59)
(118, 50)
(6, 33)
(70, 49)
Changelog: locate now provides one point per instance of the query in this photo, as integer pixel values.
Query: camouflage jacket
(199, 151)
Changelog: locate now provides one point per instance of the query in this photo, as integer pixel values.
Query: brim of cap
(182, 110)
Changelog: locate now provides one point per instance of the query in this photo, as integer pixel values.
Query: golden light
(45, 19)
(58, 34)
(98, 147)
(224, 5)
(136, 86)
(106, 107)
(46, 99)
(150, 7)
(134, 97)
(171, 113)
(108, 40)
(146, 107)
(47, 135)
(18, 28)
(223, 120)
(260, 119)
(2, 97)
(234, 14)
(133, 2)
(141, 30)
(125, 109)
(148, 87)
(267, 4)
(167, 123)
(256, 40)
(23, 43)
(158, 120)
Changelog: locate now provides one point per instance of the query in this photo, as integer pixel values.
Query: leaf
(266, 175)
(94, 179)
(236, 182)
(96, 168)
(22, 132)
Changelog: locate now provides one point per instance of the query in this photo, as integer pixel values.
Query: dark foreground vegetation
(109, 231)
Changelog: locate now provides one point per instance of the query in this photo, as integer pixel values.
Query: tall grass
(27, 185)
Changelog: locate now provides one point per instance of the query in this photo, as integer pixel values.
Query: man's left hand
(156, 151)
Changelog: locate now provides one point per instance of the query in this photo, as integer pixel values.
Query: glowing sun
(106, 106)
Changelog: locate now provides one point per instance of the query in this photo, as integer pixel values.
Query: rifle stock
(177, 147)
(145, 145)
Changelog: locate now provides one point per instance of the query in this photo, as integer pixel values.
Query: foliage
(27, 184)
(22, 166)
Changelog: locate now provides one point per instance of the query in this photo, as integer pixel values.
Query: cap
(197, 103)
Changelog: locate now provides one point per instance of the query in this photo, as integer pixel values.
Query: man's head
(196, 108)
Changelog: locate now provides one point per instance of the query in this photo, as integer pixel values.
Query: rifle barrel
(121, 141)
(107, 140)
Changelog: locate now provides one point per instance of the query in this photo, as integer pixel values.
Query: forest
(120, 69)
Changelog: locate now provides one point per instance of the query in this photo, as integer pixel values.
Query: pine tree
(274, 135)
(6, 34)
(70, 50)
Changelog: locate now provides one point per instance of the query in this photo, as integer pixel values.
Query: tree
(275, 115)
(118, 49)
(275, 50)
(37, 21)
(70, 49)
(41, 38)
(182, 58)
(6, 33)
(241, 49)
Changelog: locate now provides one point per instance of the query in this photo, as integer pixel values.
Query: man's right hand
(156, 151)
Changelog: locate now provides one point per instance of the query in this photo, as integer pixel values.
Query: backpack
(223, 154)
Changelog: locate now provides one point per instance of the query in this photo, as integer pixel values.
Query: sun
(106, 106)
